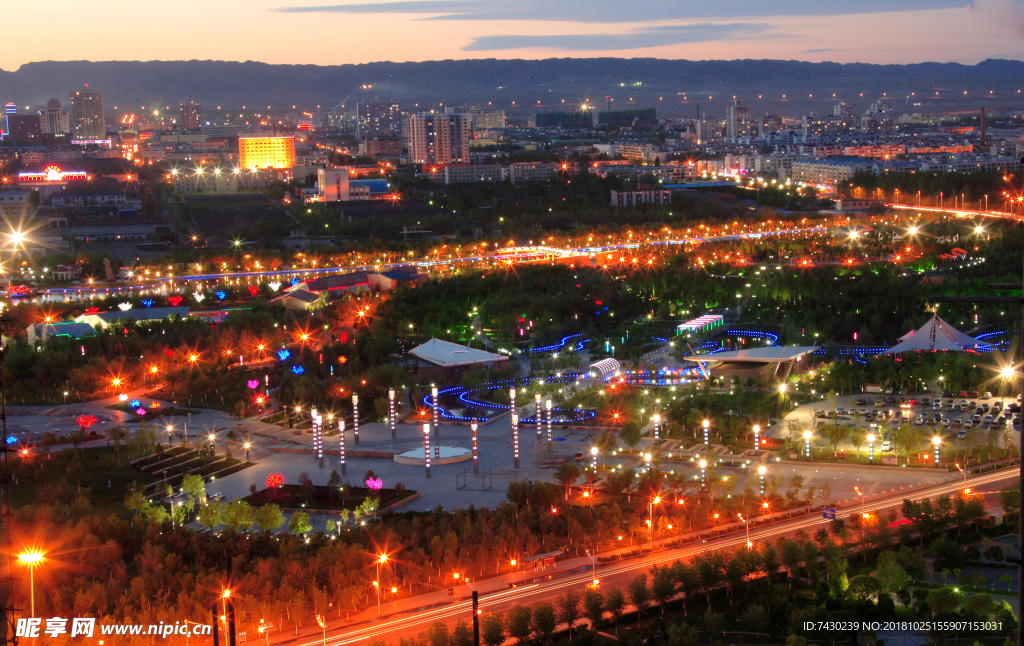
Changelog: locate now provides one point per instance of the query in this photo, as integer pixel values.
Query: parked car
(946, 423)
(986, 395)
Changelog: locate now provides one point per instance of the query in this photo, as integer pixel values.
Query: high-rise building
(737, 120)
(54, 120)
(24, 129)
(190, 114)
(439, 138)
(378, 119)
(266, 151)
(87, 114)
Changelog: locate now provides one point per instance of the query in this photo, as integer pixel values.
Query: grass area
(100, 476)
(154, 412)
(321, 497)
(174, 463)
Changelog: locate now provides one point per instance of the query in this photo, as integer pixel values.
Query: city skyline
(873, 32)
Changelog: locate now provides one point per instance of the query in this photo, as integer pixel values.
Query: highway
(496, 596)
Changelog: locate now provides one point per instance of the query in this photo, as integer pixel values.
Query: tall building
(54, 120)
(439, 138)
(87, 114)
(737, 120)
(266, 151)
(24, 129)
(378, 119)
(190, 114)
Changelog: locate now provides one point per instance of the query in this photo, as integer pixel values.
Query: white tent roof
(935, 335)
(451, 355)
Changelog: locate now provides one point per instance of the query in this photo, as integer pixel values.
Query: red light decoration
(253, 290)
(19, 290)
(169, 352)
(175, 300)
(85, 421)
(275, 480)
(92, 310)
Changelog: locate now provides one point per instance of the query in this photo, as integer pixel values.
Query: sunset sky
(326, 32)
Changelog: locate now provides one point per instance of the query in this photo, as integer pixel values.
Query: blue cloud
(614, 11)
(649, 37)
(818, 51)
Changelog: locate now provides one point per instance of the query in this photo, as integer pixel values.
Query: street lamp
(647, 461)
(170, 431)
(213, 445)
(246, 451)
(593, 452)
(650, 515)
(757, 432)
(657, 426)
(706, 424)
(936, 441)
(383, 558)
(703, 474)
(871, 448)
(807, 444)
(761, 471)
(31, 560)
(746, 524)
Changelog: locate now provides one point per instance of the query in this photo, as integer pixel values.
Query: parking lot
(957, 415)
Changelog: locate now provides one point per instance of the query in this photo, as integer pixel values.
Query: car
(984, 407)
(925, 401)
(879, 402)
(949, 406)
(987, 420)
(946, 423)
(986, 395)
(579, 456)
(997, 404)
(962, 394)
(820, 414)
(919, 421)
(976, 418)
(974, 394)
(968, 424)
(216, 496)
(890, 400)
(840, 411)
(864, 412)
(937, 405)
(833, 414)
(886, 444)
(957, 423)
(972, 404)
(961, 434)
(947, 394)
(861, 401)
(888, 391)
(963, 407)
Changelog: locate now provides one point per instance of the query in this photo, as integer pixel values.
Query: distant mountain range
(648, 82)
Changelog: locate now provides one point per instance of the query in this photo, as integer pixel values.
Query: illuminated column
(761, 471)
(512, 399)
(355, 417)
(657, 426)
(515, 438)
(341, 444)
(936, 441)
(437, 410)
(540, 417)
(476, 451)
(703, 475)
(391, 411)
(593, 452)
(318, 437)
(871, 448)
(757, 432)
(547, 405)
(807, 444)
(426, 447)
(706, 425)
(647, 461)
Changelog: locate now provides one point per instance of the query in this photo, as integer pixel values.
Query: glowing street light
(31, 559)
(937, 441)
(871, 448)
(757, 432)
(383, 558)
(807, 444)
(761, 471)
(703, 475)
(706, 424)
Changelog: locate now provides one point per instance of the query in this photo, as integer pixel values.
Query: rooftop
(451, 355)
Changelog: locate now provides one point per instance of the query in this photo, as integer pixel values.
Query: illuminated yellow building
(266, 152)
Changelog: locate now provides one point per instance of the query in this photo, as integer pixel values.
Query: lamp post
(341, 444)
(657, 426)
(426, 447)
(512, 399)
(437, 410)
(706, 424)
(761, 471)
(213, 443)
(547, 405)
(936, 441)
(170, 437)
(593, 452)
(807, 444)
(476, 453)
(246, 451)
(355, 417)
(391, 410)
(650, 516)
(757, 432)
(31, 560)
(703, 475)
(383, 558)
(515, 439)
(871, 448)
(647, 461)
(540, 420)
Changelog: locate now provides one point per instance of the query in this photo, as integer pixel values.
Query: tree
(568, 606)
(195, 487)
(789, 552)
(462, 634)
(1010, 499)
(437, 634)
(238, 515)
(543, 622)
(944, 600)
(663, 586)
(980, 605)
(755, 618)
(593, 607)
(614, 602)
(299, 524)
(492, 630)
(211, 514)
(639, 594)
(567, 474)
(268, 517)
(518, 623)
(630, 433)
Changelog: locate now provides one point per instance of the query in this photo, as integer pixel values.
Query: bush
(995, 553)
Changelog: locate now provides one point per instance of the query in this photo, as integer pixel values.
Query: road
(507, 254)
(410, 616)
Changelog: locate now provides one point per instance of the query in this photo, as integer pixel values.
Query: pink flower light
(375, 483)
